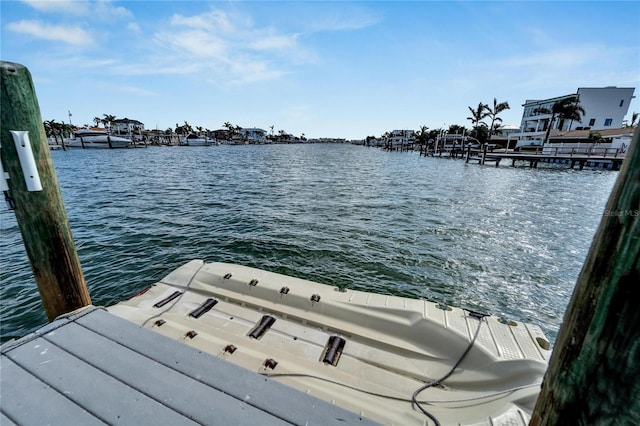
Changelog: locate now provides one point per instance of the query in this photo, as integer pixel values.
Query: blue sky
(325, 69)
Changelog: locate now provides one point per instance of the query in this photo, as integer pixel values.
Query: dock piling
(40, 214)
(594, 369)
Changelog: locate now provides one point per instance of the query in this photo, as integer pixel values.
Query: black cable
(395, 398)
(414, 397)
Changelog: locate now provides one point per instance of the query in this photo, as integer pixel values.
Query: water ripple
(500, 240)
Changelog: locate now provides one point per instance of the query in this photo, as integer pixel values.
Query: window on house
(592, 122)
(607, 122)
(621, 102)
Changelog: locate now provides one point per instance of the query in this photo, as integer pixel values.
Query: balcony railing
(583, 151)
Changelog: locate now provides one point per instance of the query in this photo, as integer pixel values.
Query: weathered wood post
(40, 214)
(594, 372)
(484, 154)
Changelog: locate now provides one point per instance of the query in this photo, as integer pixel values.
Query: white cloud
(554, 58)
(134, 90)
(101, 9)
(72, 35)
(214, 20)
(230, 47)
(274, 42)
(197, 44)
(80, 62)
(314, 17)
(160, 68)
(227, 31)
(343, 23)
(106, 10)
(134, 27)
(76, 8)
(298, 113)
(551, 70)
(252, 71)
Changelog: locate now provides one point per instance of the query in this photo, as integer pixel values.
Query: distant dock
(602, 161)
(594, 157)
(604, 158)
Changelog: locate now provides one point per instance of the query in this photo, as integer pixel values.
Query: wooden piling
(594, 369)
(484, 154)
(41, 215)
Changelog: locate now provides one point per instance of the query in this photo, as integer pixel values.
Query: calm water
(506, 241)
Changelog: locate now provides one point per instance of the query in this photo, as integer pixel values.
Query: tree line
(482, 129)
(567, 108)
(479, 130)
(59, 130)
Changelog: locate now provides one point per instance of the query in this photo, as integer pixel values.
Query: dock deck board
(95, 368)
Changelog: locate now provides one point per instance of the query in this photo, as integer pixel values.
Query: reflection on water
(501, 240)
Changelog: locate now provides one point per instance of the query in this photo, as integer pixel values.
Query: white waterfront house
(604, 107)
(506, 130)
(254, 135)
(127, 126)
(400, 138)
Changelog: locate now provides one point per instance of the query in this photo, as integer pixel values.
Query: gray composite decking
(95, 368)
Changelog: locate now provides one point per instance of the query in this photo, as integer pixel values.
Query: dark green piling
(593, 375)
(41, 215)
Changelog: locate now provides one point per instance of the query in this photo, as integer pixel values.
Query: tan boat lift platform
(92, 367)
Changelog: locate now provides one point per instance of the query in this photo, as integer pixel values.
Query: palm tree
(433, 134)
(283, 135)
(634, 118)
(237, 130)
(66, 130)
(493, 114)
(230, 129)
(51, 130)
(478, 114)
(423, 135)
(456, 129)
(479, 126)
(108, 120)
(595, 138)
(567, 108)
(97, 121)
(54, 129)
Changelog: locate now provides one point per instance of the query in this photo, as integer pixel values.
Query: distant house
(506, 130)
(127, 126)
(254, 135)
(400, 138)
(605, 108)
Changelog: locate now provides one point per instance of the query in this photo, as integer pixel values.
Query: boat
(391, 359)
(195, 140)
(90, 138)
